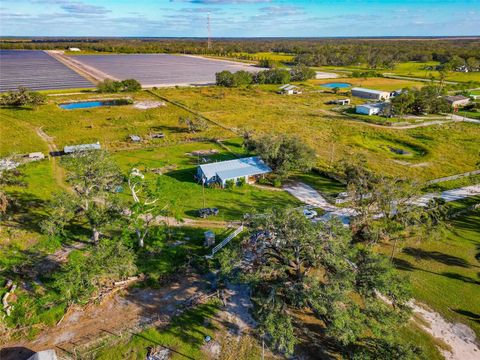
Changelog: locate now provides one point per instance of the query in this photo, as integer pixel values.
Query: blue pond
(92, 104)
(339, 85)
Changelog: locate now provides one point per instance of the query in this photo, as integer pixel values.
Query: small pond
(339, 85)
(93, 104)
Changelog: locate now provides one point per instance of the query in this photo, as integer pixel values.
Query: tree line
(270, 76)
(312, 52)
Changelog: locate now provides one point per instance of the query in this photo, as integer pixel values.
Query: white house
(457, 100)
(369, 109)
(221, 172)
(370, 94)
(289, 89)
(69, 149)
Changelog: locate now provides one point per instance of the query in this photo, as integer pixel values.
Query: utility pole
(209, 29)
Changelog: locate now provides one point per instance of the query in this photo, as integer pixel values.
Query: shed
(370, 109)
(209, 238)
(289, 89)
(73, 49)
(135, 138)
(36, 156)
(69, 149)
(342, 102)
(457, 100)
(247, 168)
(370, 93)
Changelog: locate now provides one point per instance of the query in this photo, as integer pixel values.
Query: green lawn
(444, 273)
(178, 189)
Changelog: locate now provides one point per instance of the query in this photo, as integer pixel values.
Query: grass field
(178, 189)
(442, 150)
(373, 83)
(412, 69)
(444, 273)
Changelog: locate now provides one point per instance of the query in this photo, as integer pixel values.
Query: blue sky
(239, 18)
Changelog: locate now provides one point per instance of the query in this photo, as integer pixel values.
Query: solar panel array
(161, 69)
(36, 70)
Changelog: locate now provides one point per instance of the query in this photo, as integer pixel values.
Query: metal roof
(235, 168)
(371, 91)
(288, 87)
(373, 106)
(82, 147)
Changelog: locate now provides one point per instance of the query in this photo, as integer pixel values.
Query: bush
(131, 85)
(230, 184)
(224, 78)
(112, 86)
(268, 63)
(302, 73)
(277, 183)
(241, 182)
(22, 97)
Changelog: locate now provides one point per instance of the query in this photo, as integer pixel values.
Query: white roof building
(69, 149)
(73, 49)
(289, 89)
(223, 171)
(369, 109)
(370, 93)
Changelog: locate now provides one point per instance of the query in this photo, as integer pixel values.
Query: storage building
(370, 94)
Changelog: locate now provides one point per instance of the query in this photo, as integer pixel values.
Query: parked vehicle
(309, 214)
(206, 212)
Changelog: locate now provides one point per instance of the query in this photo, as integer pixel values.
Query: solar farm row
(36, 70)
(161, 69)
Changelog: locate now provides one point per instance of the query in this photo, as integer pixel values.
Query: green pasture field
(444, 272)
(372, 83)
(178, 189)
(110, 125)
(411, 69)
(442, 150)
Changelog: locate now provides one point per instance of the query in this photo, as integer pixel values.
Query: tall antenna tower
(209, 41)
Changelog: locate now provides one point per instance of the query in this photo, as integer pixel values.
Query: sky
(239, 18)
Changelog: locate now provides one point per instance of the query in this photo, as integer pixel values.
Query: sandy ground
(325, 75)
(137, 308)
(308, 195)
(459, 337)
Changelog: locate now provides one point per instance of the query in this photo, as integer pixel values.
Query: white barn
(370, 94)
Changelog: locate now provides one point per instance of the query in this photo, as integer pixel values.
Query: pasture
(411, 69)
(438, 150)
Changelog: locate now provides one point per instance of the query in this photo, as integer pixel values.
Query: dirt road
(58, 172)
(115, 315)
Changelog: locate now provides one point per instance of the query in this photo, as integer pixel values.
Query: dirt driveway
(132, 311)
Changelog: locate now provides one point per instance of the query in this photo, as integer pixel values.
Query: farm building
(289, 90)
(370, 109)
(342, 102)
(370, 94)
(73, 49)
(457, 100)
(69, 149)
(247, 168)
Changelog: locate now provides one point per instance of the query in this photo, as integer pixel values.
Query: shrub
(22, 97)
(302, 73)
(229, 184)
(241, 182)
(131, 85)
(112, 86)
